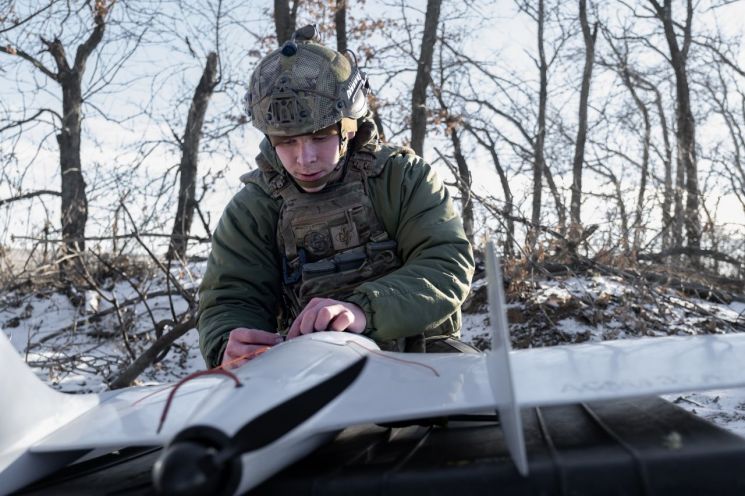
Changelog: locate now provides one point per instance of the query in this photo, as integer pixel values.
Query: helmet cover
(303, 87)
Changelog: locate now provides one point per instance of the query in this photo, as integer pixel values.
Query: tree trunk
(284, 19)
(644, 172)
(631, 81)
(424, 69)
(626, 76)
(558, 202)
(668, 197)
(464, 184)
(606, 172)
(507, 191)
(74, 202)
(125, 378)
(678, 189)
(340, 21)
(190, 158)
(622, 213)
(686, 130)
(539, 162)
(579, 149)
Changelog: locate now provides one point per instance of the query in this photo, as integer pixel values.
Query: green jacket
(242, 283)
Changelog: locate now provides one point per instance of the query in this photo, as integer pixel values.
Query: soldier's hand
(325, 314)
(243, 342)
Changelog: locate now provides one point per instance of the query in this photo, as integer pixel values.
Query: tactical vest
(331, 241)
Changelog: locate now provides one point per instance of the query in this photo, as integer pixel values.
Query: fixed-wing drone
(222, 439)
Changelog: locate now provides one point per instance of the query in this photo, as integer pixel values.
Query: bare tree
(719, 90)
(200, 116)
(633, 82)
(507, 109)
(617, 196)
(589, 35)
(423, 76)
(670, 199)
(189, 159)
(69, 75)
(538, 139)
(539, 161)
(465, 181)
(685, 124)
(484, 138)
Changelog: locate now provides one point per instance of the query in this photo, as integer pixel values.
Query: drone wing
(42, 429)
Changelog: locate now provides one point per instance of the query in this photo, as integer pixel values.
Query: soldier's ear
(350, 135)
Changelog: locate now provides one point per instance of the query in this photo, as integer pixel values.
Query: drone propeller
(191, 466)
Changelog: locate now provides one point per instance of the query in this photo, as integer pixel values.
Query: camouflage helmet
(303, 87)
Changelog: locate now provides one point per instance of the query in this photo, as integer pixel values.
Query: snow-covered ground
(82, 356)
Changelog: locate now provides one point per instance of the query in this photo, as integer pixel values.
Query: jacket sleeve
(241, 284)
(437, 259)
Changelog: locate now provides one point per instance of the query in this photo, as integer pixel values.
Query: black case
(641, 446)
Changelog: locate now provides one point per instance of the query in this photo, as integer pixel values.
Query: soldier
(334, 230)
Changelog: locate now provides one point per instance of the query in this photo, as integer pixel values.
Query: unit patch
(345, 236)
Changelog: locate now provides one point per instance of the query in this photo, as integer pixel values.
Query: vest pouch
(318, 269)
(375, 247)
(321, 282)
(350, 260)
(383, 253)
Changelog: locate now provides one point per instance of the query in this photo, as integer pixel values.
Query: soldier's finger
(325, 316)
(342, 320)
(255, 336)
(294, 328)
(234, 350)
(240, 354)
(307, 324)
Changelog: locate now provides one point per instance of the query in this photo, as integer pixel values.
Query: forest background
(601, 137)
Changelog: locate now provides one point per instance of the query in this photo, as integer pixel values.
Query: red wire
(219, 370)
(194, 375)
(253, 354)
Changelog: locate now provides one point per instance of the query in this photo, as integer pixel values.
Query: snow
(571, 328)
(738, 307)
(475, 327)
(80, 357)
(723, 407)
(83, 358)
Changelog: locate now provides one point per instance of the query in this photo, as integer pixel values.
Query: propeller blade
(281, 419)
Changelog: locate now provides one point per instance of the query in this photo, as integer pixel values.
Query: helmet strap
(346, 127)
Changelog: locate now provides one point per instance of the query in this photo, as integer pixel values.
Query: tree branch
(84, 50)
(33, 117)
(30, 58)
(125, 378)
(29, 195)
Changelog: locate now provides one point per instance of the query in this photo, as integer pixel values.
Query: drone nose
(188, 468)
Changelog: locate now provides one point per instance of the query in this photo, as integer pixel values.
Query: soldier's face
(309, 158)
